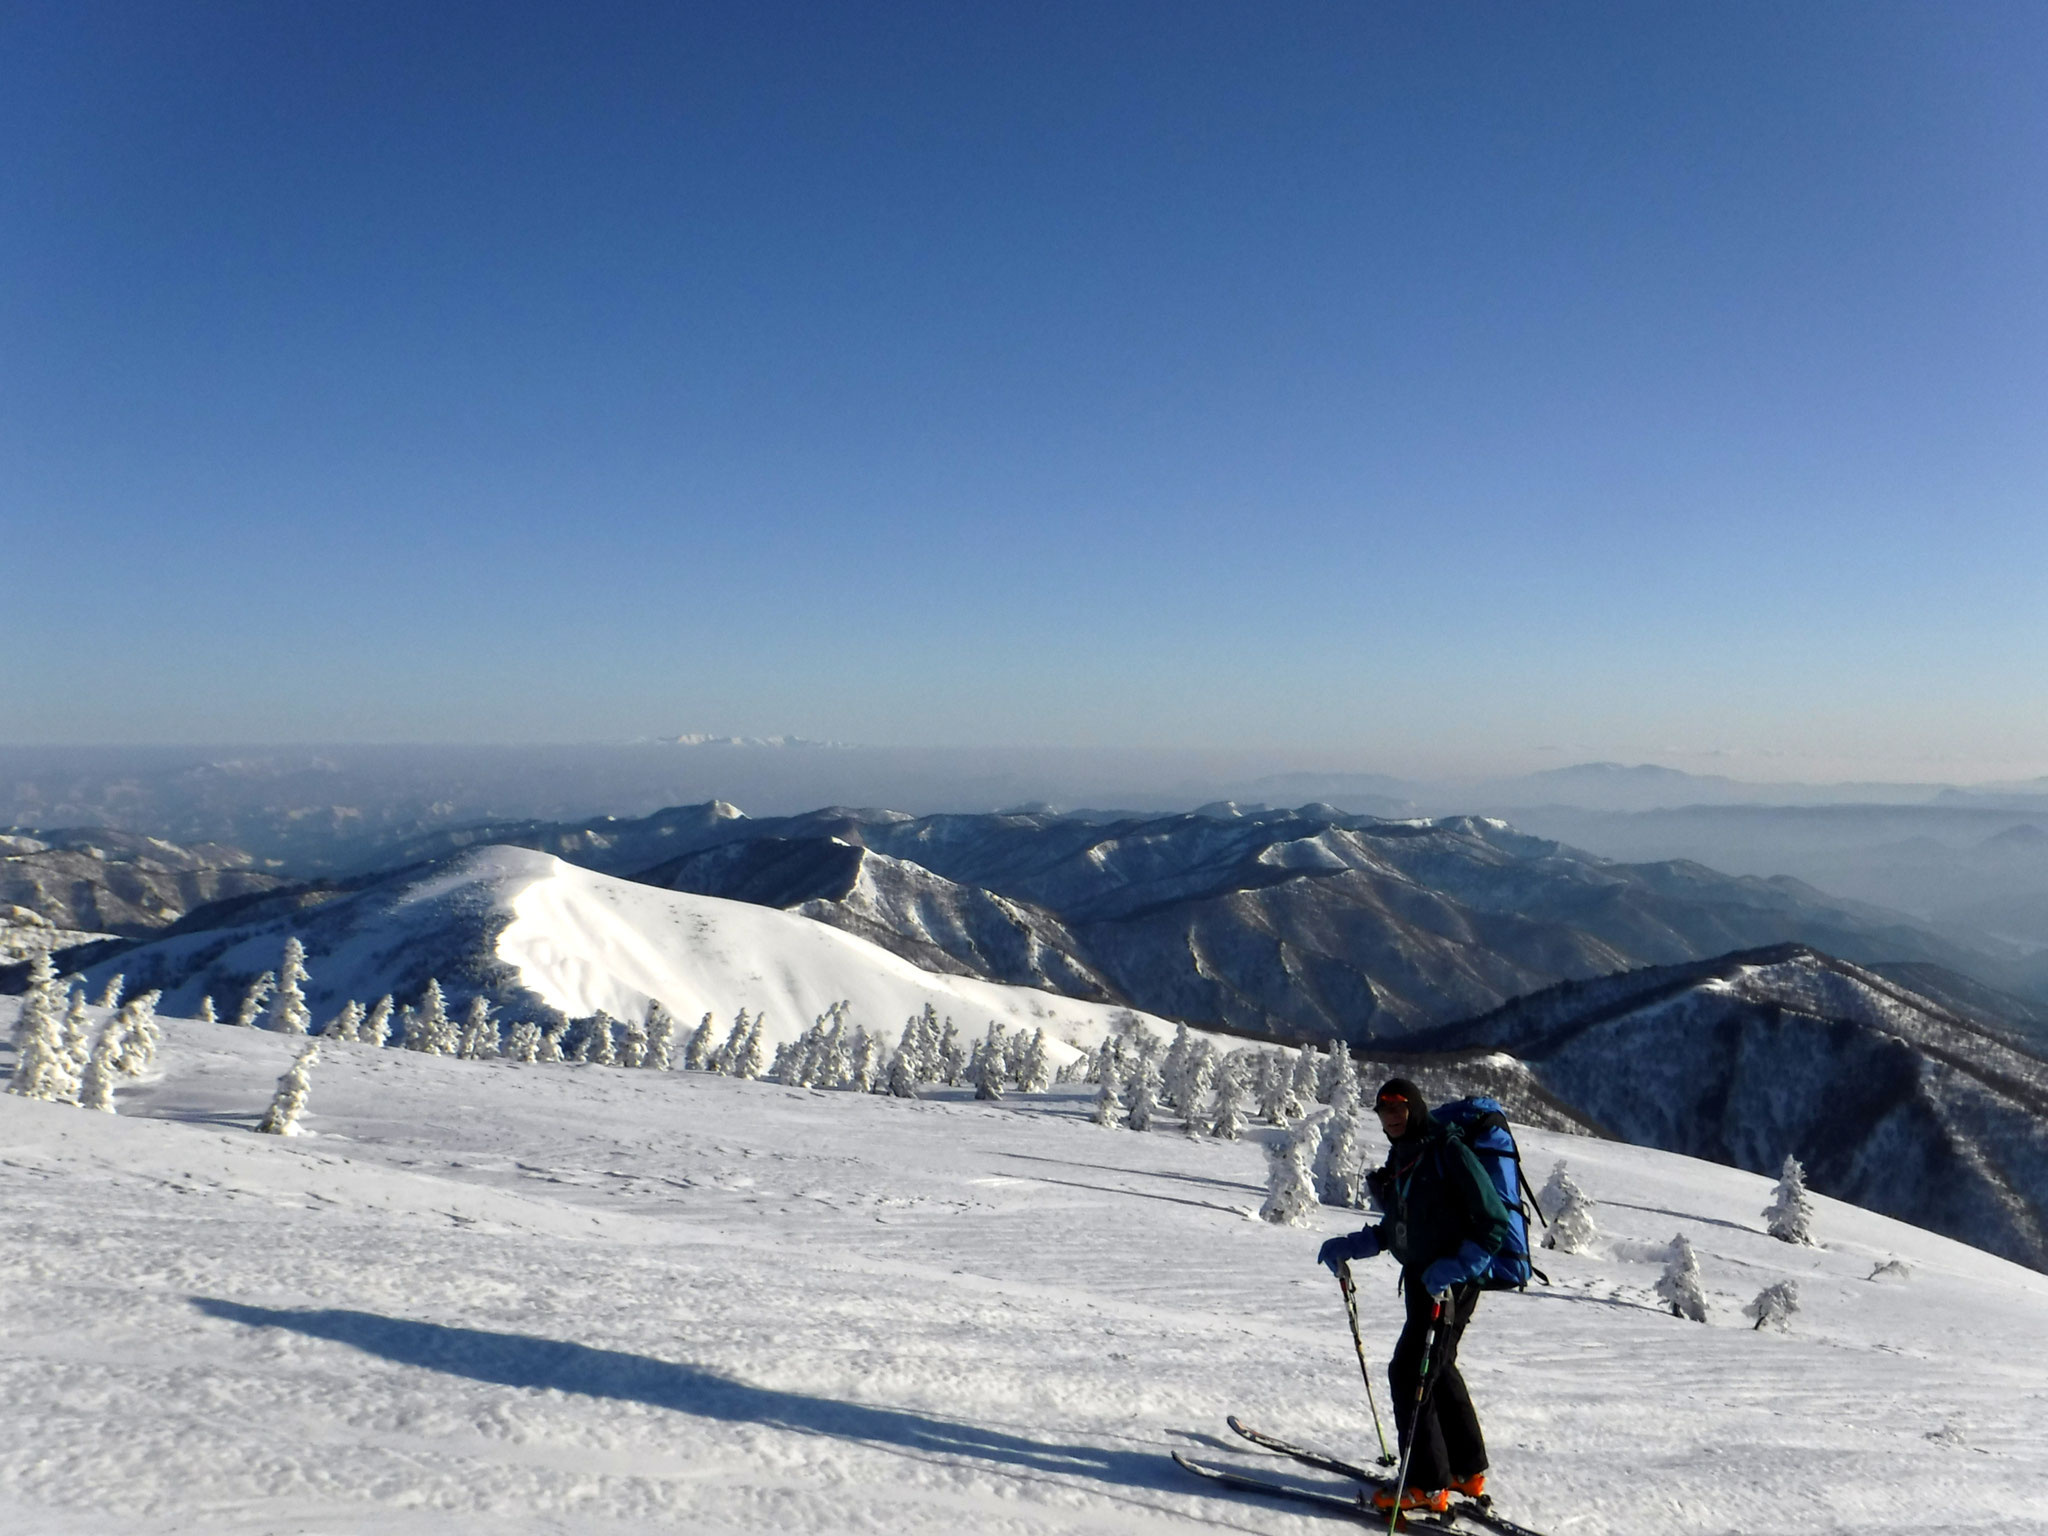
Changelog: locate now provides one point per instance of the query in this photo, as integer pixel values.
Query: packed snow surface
(480, 1296)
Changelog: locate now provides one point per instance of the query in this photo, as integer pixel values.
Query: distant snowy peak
(791, 743)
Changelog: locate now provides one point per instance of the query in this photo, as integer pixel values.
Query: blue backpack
(1482, 1125)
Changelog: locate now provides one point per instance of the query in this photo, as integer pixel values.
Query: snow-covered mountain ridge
(542, 938)
(481, 1296)
(1892, 1100)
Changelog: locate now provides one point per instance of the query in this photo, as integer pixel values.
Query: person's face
(1393, 1115)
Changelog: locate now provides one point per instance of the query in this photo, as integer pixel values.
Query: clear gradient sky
(1410, 387)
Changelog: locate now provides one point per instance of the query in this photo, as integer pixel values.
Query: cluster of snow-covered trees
(58, 1054)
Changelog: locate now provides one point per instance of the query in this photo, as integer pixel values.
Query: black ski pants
(1446, 1432)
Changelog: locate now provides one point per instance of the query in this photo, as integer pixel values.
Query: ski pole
(1358, 1343)
(1422, 1386)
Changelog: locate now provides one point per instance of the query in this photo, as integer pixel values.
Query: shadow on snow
(538, 1364)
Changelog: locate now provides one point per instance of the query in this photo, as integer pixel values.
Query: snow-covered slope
(485, 1297)
(540, 934)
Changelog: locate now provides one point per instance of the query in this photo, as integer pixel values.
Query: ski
(1357, 1507)
(1303, 1454)
(1480, 1509)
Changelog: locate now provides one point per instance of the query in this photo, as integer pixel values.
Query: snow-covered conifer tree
(1571, 1213)
(903, 1066)
(1197, 1079)
(952, 1058)
(1109, 1100)
(1774, 1304)
(1104, 1060)
(1227, 1124)
(1304, 1082)
(988, 1066)
(42, 1064)
(1679, 1285)
(928, 1065)
(1036, 1073)
(288, 1014)
(661, 1037)
(1274, 1080)
(282, 1118)
(254, 999)
(1341, 1167)
(522, 1042)
(206, 1013)
(735, 1042)
(42, 1004)
(96, 1083)
(377, 1024)
(1344, 1095)
(752, 1057)
(479, 1037)
(1144, 1095)
(1172, 1087)
(138, 1036)
(550, 1047)
(697, 1049)
(1789, 1216)
(1290, 1184)
(345, 1025)
(429, 1029)
(110, 994)
(596, 1045)
(78, 1032)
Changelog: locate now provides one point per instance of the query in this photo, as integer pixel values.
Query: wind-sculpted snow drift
(543, 937)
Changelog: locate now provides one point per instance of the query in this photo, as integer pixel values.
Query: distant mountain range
(102, 880)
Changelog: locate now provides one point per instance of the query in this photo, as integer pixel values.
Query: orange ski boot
(1473, 1487)
(1433, 1502)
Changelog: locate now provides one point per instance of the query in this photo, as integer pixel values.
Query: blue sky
(1407, 387)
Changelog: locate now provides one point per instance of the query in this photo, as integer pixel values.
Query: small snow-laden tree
(522, 1042)
(928, 1065)
(78, 1032)
(42, 1065)
(1172, 1085)
(632, 1037)
(96, 1083)
(1571, 1213)
(996, 1042)
(1290, 1180)
(1015, 1044)
(833, 1063)
(206, 1014)
(1680, 1286)
(697, 1049)
(253, 1000)
(550, 1047)
(345, 1025)
(288, 1014)
(1305, 1079)
(952, 1057)
(789, 1070)
(735, 1041)
(1344, 1098)
(377, 1024)
(661, 1037)
(903, 1066)
(1789, 1216)
(1036, 1074)
(1109, 1099)
(282, 1118)
(138, 1036)
(110, 994)
(910, 1046)
(597, 1041)
(1144, 1095)
(1198, 1080)
(1103, 1063)
(988, 1066)
(1340, 1169)
(1227, 1124)
(752, 1056)
(428, 1027)
(479, 1038)
(1774, 1304)
(1277, 1105)
(42, 1004)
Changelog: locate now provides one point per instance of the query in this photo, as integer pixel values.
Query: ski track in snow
(483, 1296)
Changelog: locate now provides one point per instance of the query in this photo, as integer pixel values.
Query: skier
(1443, 1221)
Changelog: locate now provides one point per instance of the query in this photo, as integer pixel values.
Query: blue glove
(1471, 1262)
(1362, 1244)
